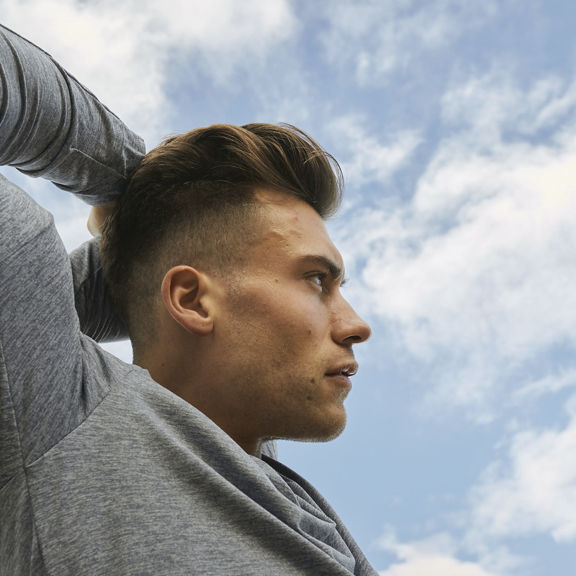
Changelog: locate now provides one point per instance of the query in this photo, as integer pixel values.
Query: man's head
(192, 201)
(230, 284)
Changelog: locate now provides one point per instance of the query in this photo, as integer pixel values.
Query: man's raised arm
(51, 126)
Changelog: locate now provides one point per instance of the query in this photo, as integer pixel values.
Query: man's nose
(349, 328)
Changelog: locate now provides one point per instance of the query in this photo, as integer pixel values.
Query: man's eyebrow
(336, 272)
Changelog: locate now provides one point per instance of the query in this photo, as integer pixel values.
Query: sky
(455, 126)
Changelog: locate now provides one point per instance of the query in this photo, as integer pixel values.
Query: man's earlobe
(184, 296)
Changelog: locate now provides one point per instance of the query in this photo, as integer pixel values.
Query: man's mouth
(346, 370)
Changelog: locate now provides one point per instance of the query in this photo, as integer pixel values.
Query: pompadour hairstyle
(191, 201)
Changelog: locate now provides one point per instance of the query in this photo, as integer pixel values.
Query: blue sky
(455, 125)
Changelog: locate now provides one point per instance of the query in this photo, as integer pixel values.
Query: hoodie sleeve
(52, 126)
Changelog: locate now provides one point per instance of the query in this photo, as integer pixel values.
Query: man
(218, 259)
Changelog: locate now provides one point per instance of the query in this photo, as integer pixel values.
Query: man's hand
(98, 217)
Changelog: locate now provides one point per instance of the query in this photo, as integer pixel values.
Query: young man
(219, 261)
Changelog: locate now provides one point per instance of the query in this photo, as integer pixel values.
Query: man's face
(286, 332)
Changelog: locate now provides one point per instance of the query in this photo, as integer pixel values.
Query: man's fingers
(98, 216)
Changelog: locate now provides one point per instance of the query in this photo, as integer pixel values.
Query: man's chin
(326, 433)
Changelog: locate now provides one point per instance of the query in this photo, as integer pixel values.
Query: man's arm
(97, 315)
(51, 126)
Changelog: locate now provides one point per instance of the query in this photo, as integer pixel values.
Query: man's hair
(191, 201)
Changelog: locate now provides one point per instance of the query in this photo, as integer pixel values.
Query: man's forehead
(292, 226)
(287, 211)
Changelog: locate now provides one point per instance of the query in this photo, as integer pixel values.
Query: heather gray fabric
(51, 126)
(97, 316)
(102, 470)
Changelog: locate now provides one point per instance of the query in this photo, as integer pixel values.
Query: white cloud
(122, 48)
(434, 556)
(493, 106)
(435, 565)
(364, 158)
(475, 272)
(549, 384)
(492, 238)
(533, 489)
(377, 37)
(529, 492)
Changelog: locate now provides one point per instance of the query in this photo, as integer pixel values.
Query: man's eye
(319, 279)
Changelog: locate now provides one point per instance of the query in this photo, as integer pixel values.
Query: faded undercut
(191, 201)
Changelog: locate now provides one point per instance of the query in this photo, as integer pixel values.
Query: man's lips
(341, 376)
(346, 370)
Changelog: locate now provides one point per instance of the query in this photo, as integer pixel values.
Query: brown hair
(191, 201)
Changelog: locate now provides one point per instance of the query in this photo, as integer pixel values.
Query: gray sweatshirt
(102, 470)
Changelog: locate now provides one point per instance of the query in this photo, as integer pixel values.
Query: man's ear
(184, 292)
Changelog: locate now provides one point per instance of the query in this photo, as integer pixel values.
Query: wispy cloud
(532, 489)
(475, 272)
(434, 556)
(528, 492)
(390, 35)
(125, 53)
(496, 108)
(123, 50)
(364, 157)
(551, 383)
